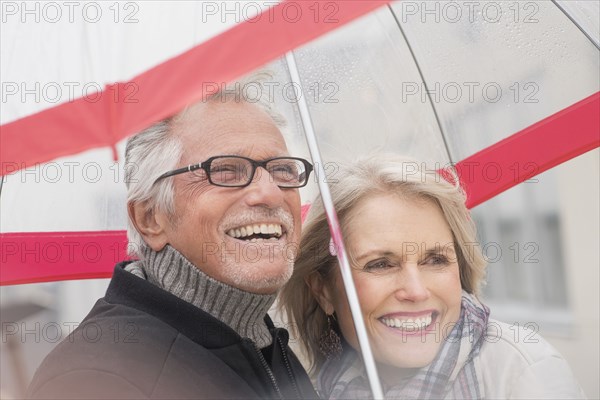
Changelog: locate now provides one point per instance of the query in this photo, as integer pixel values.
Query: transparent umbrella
(504, 90)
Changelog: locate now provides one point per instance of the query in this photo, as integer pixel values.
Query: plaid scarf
(454, 373)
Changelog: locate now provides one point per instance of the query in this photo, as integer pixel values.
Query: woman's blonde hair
(370, 176)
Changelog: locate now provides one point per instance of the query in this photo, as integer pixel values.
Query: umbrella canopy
(478, 85)
(405, 74)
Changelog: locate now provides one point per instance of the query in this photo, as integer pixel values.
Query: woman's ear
(147, 224)
(321, 291)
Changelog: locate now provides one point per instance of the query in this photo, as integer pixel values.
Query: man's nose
(263, 190)
(411, 285)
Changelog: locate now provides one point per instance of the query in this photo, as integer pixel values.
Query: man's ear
(321, 291)
(145, 221)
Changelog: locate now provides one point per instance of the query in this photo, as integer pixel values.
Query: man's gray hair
(154, 151)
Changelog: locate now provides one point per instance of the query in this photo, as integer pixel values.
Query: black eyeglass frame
(255, 164)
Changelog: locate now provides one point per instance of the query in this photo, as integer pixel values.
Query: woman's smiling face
(407, 276)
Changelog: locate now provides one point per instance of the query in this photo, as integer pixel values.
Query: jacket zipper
(266, 367)
(288, 367)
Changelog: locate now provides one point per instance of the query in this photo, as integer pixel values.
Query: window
(520, 235)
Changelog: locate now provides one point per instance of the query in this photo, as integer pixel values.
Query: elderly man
(214, 214)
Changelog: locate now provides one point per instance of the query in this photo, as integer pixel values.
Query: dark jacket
(140, 341)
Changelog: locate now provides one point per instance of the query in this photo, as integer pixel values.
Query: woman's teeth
(408, 324)
(267, 231)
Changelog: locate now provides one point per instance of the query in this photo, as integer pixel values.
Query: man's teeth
(408, 324)
(249, 230)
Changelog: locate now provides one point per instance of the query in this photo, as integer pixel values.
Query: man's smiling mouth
(255, 232)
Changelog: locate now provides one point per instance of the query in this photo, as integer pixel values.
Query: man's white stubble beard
(253, 278)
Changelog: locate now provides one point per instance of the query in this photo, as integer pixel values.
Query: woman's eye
(436, 260)
(377, 265)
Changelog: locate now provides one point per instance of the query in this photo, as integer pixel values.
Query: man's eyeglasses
(236, 171)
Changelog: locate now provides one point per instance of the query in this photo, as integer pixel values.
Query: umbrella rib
(335, 230)
(587, 35)
(435, 113)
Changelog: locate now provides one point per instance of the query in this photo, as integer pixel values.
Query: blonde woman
(418, 271)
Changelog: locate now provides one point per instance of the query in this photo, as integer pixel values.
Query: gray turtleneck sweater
(243, 311)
